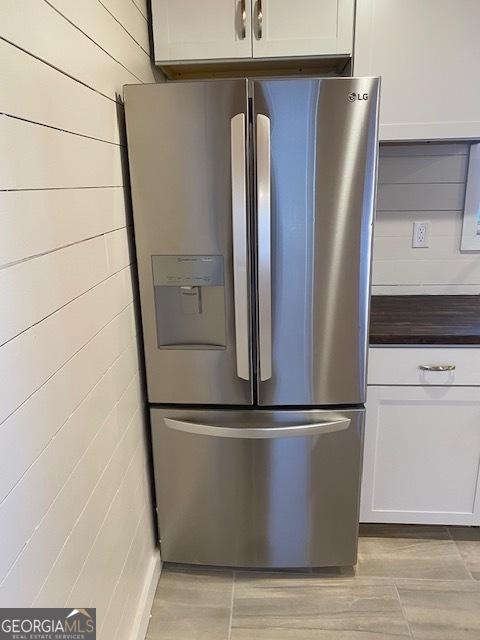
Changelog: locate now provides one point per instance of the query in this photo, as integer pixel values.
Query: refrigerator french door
(253, 206)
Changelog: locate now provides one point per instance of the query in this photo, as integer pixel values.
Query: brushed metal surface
(264, 247)
(179, 143)
(258, 502)
(241, 269)
(262, 431)
(323, 167)
(437, 367)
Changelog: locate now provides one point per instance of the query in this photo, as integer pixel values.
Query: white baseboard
(142, 617)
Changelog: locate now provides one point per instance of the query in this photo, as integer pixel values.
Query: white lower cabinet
(422, 453)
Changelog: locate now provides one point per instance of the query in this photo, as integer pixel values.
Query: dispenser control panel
(187, 271)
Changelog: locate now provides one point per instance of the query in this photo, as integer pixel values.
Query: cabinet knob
(437, 367)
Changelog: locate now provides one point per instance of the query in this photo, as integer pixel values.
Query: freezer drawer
(258, 488)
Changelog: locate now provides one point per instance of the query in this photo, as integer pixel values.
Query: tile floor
(410, 582)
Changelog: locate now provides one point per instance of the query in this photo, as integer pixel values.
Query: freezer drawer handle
(240, 252)
(250, 433)
(264, 247)
(437, 367)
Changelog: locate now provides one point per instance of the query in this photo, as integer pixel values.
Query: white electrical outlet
(420, 235)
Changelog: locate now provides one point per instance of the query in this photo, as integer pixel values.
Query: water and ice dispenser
(189, 301)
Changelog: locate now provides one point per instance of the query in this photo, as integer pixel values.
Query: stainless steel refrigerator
(253, 205)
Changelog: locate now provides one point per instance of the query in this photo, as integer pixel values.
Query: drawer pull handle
(437, 367)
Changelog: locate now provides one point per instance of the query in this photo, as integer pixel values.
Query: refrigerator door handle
(240, 250)
(264, 247)
(250, 433)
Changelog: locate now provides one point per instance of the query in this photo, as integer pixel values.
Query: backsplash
(424, 183)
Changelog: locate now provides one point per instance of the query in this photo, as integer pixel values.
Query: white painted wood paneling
(118, 254)
(110, 540)
(74, 491)
(52, 469)
(91, 17)
(431, 289)
(142, 7)
(425, 197)
(65, 567)
(439, 247)
(37, 92)
(424, 149)
(37, 157)
(40, 30)
(427, 272)
(39, 221)
(31, 294)
(95, 478)
(131, 19)
(141, 565)
(424, 183)
(421, 169)
(56, 385)
(398, 224)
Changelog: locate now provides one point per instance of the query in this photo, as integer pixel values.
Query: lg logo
(352, 97)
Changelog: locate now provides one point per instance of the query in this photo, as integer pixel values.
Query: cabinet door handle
(243, 15)
(259, 19)
(437, 367)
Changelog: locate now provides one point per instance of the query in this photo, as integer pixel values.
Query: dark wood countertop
(432, 319)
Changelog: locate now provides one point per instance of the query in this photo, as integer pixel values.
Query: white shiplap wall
(425, 183)
(75, 510)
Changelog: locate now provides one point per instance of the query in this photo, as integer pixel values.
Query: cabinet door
(302, 28)
(192, 30)
(421, 458)
(425, 52)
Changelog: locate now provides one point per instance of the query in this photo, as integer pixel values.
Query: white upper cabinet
(426, 53)
(282, 28)
(201, 30)
(193, 30)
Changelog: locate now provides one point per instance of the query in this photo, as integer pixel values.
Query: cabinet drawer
(393, 365)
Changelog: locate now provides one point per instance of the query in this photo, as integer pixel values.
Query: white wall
(422, 182)
(75, 511)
